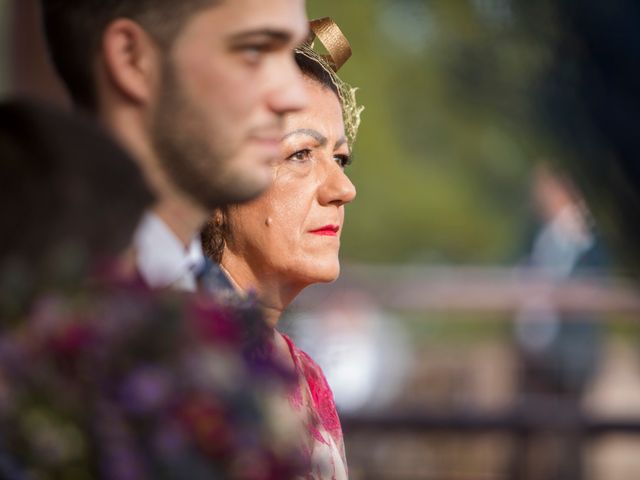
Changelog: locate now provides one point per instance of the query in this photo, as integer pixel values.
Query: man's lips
(327, 230)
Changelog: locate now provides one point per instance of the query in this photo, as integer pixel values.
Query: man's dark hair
(74, 30)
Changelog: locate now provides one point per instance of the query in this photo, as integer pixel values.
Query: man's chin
(246, 185)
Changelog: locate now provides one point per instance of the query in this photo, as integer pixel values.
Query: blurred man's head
(196, 88)
(65, 187)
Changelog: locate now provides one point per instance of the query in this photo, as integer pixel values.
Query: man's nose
(289, 93)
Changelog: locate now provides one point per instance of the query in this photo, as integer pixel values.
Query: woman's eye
(343, 160)
(300, 155)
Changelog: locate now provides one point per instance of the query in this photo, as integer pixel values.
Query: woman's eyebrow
(340, 142)
(321, 139)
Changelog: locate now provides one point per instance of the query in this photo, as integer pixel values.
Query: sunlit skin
(235, 78)
(289, 238)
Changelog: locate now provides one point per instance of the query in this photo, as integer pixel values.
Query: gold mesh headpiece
(339, 51)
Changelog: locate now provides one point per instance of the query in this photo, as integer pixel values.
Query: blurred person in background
(99, 376)
(197, 91)
(558, 352)
(289, 238)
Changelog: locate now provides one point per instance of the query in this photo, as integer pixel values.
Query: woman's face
(292, 232)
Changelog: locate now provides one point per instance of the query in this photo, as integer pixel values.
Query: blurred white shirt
(162, 259)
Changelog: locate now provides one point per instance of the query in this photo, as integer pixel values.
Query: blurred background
(483, 327)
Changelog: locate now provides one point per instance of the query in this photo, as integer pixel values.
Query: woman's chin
(322, 274)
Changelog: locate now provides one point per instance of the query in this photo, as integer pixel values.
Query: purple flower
(145, 390)
(216, 325)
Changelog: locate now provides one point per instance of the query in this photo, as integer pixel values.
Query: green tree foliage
(441, 164)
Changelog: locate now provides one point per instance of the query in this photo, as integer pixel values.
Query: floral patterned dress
(313, 398)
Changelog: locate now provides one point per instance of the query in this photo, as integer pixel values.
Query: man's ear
(132, 59)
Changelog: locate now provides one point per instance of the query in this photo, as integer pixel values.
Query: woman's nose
(336, 189)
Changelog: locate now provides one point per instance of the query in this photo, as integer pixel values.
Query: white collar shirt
(162, 259)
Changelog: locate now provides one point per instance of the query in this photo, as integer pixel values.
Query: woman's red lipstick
(327, 230)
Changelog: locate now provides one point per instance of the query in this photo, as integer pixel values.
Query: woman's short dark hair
(315, 71)
(214, 235)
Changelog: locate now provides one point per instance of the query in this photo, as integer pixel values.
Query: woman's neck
(274, 294)
(182, 217)
(274, 298)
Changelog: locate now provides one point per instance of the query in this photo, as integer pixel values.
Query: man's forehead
(287, 16)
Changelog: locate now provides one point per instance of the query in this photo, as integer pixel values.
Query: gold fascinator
(338, 52)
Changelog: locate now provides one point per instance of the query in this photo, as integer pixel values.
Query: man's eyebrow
(277, 35)
(321, 139)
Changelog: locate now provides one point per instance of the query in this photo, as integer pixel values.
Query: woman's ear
(131, 60)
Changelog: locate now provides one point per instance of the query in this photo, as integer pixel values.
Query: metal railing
(489, 290)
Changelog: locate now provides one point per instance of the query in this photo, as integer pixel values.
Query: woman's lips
(327, 230)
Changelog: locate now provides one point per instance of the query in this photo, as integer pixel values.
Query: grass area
(463, 328)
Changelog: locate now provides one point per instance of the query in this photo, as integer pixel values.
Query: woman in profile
(289, 238)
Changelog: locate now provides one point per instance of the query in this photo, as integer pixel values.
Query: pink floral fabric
(314, 398)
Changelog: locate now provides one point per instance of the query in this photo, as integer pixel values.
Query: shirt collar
(162, 259)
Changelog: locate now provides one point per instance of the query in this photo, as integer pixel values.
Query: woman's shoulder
(305, 364)
(321, 393)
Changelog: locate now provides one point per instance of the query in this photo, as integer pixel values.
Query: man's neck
(183, 216)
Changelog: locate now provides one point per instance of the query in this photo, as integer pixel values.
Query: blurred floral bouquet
(121, 383)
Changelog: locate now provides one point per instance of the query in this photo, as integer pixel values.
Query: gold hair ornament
(339, 51)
